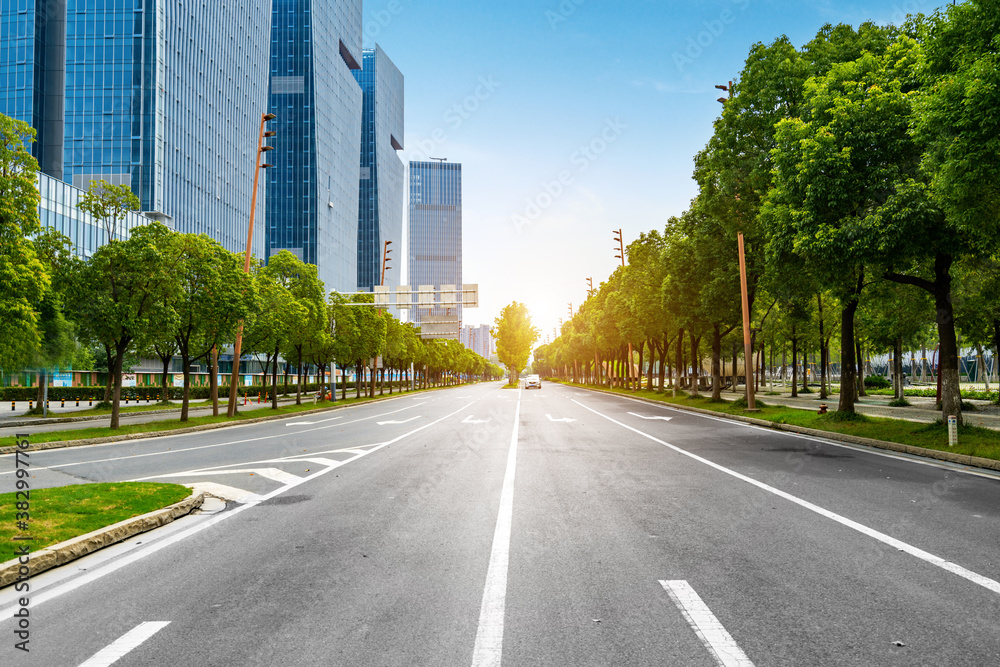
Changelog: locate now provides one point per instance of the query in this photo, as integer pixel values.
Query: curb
(950, 457)
(78, 547)
(63, 444)
(73, 420)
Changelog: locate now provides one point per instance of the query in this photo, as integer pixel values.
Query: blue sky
(573, 118)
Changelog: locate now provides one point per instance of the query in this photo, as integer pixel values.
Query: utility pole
(590, 287)
(385, 260)
(234, 382)
(745, 299)
(621, 256)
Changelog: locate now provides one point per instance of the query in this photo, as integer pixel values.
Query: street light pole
(621, 256)
(234, 381)
(744, 297)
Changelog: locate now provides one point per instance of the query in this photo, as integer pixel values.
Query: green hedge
(176, 393)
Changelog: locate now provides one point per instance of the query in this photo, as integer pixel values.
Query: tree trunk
(695, 363)
(897, 367)
(109, 384)
(679, 368)
(716, 363)
(164, 391)
(187, 388)
(822, 350)
(213, 380)
(996, 351)
(848, 391)
(795, 363)
(116, 378)
(274, 380)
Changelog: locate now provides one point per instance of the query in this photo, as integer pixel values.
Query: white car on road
(532, 381)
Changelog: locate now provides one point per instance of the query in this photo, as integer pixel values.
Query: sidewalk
(921, 410)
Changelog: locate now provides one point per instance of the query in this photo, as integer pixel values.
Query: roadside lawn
(972, 440)
(61, 513)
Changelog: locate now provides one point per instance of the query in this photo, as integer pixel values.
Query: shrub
(877, 382)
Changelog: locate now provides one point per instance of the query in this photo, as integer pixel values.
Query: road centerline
(489, 637)
(124, 644)
(710, 631)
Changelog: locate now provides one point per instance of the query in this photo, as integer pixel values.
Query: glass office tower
(435, 253)
(312, 192)
(380, 214)
(164, 97)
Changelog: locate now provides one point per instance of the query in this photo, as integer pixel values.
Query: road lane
(385, 560)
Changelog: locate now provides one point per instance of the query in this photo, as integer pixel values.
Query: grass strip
(972, 440)
(173, 425)
(61, 513)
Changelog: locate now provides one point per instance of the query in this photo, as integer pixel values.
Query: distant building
(382, 187)
(435, 248)
(164, 97)
(478, 339)
(312, 191)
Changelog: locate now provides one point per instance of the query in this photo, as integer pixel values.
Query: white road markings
(470, 420)
(113, 566)
(405, 421)
(128, 641)
(192, 449)
(489, 637)
(985, 582)
(567, 420)
(230, 493)
(270, 473)
(666, 419)
(713, 635)
(300, 423)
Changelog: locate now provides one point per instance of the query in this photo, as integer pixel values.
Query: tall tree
(23, 278)
(514, 336)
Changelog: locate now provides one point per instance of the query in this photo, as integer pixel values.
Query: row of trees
(863, 170)
(159, 293)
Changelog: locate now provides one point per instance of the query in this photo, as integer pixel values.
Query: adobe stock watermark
(380, 19)
(713, 30)
(582, 158)
(456, 116)
(562, 13)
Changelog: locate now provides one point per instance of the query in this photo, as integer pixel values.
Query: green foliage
(877, 382)
(514, 336)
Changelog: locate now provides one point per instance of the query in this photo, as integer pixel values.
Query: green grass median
(61, 513)
(972, 440)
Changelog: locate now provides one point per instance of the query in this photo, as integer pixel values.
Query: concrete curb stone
(950, 457)
(78, 547)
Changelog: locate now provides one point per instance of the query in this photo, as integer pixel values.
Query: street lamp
(745, 299)
(385, 260)
(621, 255)
(261, 149)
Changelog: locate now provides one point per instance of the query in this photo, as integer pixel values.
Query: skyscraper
(380, 215)
(312, 192)
(435, 252)
(162, 96)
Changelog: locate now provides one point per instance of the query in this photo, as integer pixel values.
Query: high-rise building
(380, 214)
(479, 339)
(312, 192)
(164, 97)
(435, 249)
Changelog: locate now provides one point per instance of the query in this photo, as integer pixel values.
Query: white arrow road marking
(225, 492)
(666, 419)
(398, 422)
(713, 635)
(270, 473)
(470, 420)
(128, 641)
(564, 419)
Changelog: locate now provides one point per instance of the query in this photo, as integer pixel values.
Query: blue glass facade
(162, 96)
(380, 199)
(312, 192)
(435, 251)
(58, 209)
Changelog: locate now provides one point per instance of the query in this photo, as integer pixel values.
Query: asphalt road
(476, 526)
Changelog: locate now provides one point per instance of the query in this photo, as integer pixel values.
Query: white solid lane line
(985, 582)
(713, 635)
(489, 637)
(666, 419)
(192, 449)
(125, 643)
(108, 568)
